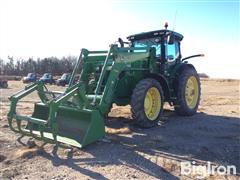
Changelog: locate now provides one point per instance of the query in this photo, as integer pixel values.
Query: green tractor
(145, 72)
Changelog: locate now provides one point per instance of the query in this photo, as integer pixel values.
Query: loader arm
(122, 62)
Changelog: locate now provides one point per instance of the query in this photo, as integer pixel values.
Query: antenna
(174, 20)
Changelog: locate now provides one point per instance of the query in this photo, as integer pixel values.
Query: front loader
(145, 74)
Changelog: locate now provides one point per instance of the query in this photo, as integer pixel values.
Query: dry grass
(25, 152)
(124, 130)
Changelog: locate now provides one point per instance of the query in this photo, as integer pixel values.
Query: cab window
(172, 52)
(152, 42)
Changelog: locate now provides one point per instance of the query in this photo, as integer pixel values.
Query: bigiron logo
(203, 171)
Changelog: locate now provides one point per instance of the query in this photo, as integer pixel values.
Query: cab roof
(157, 33)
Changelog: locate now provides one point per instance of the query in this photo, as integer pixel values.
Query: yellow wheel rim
(191, 92)
(152, 103)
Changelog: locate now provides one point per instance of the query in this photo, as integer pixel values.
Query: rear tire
(188, 93)
(147, 103)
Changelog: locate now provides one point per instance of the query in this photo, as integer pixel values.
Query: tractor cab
(166, 43)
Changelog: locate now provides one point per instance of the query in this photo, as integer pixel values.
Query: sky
(43, 28)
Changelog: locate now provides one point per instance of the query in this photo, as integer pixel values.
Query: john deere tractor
(145, 72)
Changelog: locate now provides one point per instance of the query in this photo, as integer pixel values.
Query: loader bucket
(75, 127)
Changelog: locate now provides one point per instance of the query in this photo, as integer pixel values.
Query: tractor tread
(137, 102)
(181, 108)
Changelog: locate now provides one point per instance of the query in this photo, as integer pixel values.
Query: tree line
(21, 67)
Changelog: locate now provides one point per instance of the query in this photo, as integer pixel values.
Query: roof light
(166, 25)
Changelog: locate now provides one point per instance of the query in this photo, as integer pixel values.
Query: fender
(181, 67)
(177, 71)
(164, 84)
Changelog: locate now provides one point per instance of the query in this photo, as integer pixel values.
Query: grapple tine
(41, 129)
(10, 122)
(19, 125)
(30, 128)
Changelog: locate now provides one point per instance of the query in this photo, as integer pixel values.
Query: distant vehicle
(3, 83)
(47, 78)
(31, 77)
(64, 80)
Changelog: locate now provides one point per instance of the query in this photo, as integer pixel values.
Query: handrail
(100, 80)
(75, 68)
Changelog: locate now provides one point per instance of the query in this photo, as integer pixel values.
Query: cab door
(172, 52)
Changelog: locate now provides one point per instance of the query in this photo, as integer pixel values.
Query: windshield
(153, 42)
(64, 76)
(29, 75)
(46, 76)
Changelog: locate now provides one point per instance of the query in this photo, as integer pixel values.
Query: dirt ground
(128, 152)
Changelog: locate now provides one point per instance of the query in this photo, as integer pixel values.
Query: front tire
(188, 93)
(147, 103)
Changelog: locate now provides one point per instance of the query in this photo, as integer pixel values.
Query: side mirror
(121, 42)
(171, 39)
